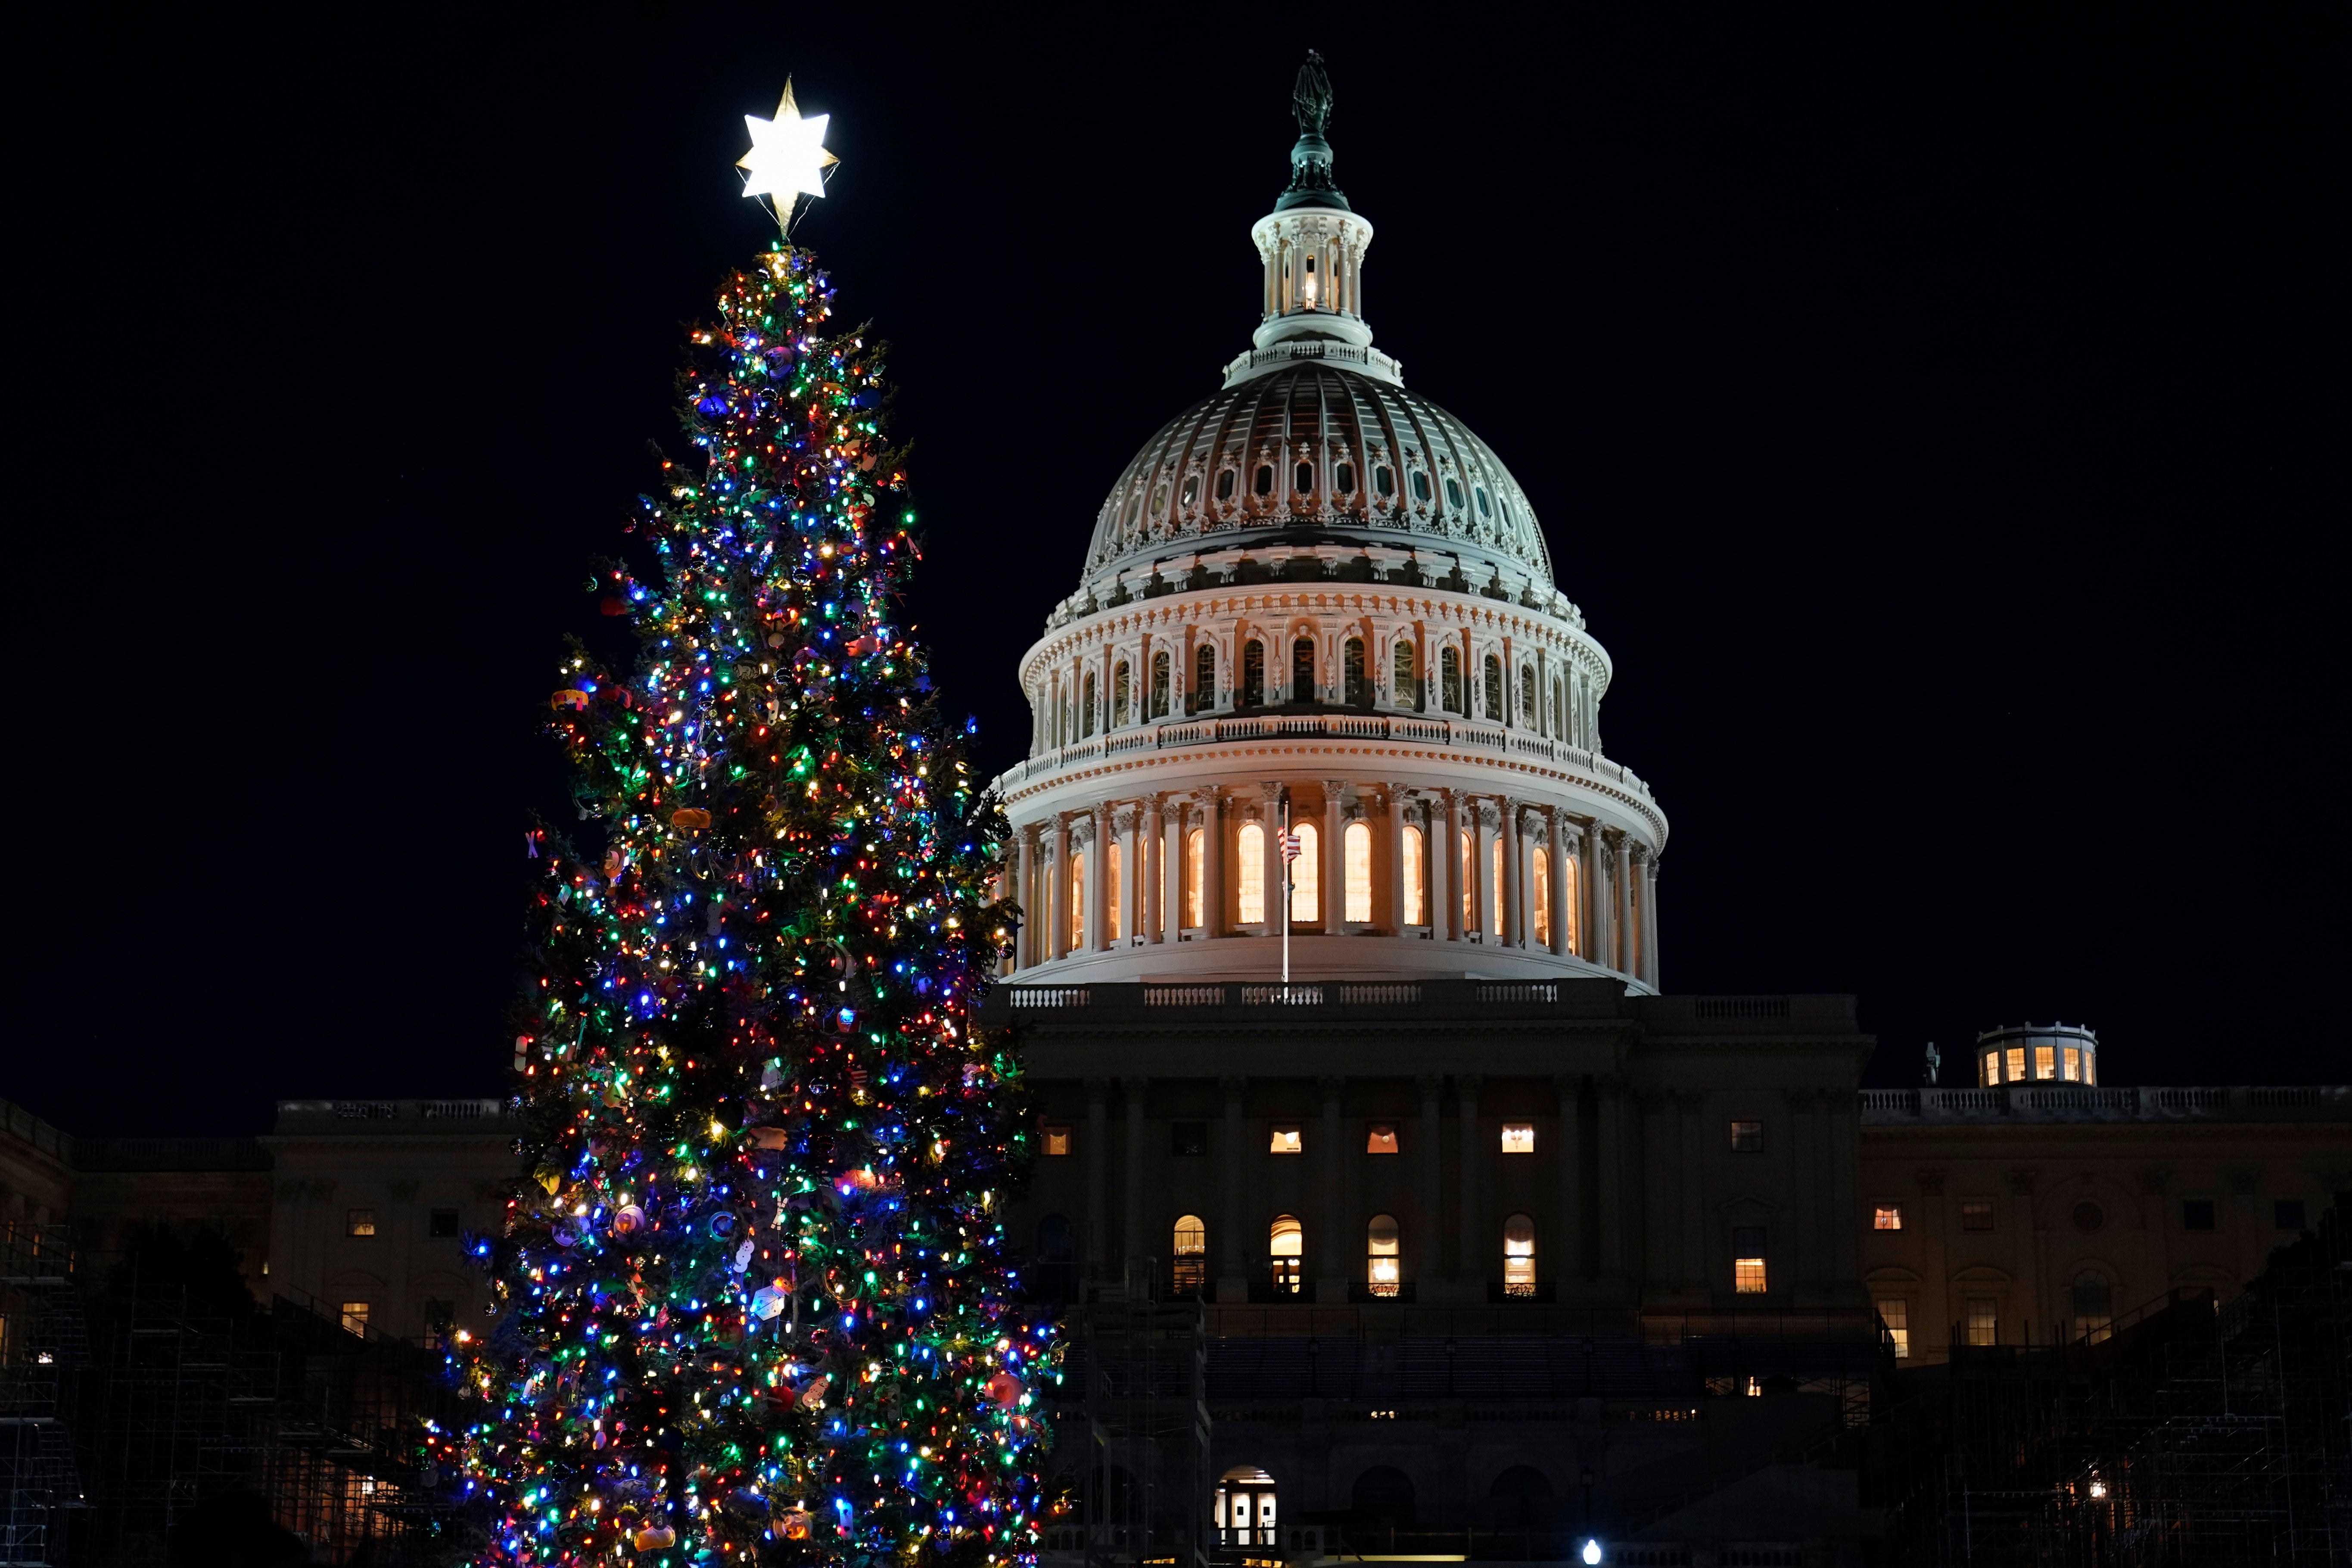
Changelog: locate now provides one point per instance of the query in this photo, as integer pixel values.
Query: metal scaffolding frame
(2191, 1432)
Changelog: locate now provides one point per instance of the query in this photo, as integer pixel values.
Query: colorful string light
(755, 1305)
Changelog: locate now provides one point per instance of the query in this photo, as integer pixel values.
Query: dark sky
(1930, 420)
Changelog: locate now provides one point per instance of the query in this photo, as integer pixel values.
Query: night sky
(1931, 424)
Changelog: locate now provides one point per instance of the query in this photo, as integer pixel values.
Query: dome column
(1506, 827)
(1595, 891)
(1621, 926)
(1396, 859)
(1025, 946)
(1212, 863)
(1333, 871)
(1277, 870)
(1168, 823)
(1444, 869)
(1129, 911)
(1096, 932)
(1058, 898)
(1562, 929)
(1650, 918)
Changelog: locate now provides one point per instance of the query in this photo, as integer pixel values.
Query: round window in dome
(2089, 1216)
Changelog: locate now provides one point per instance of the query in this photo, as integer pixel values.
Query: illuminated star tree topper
(787, 160)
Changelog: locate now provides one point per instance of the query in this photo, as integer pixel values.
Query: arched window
(1205, 679)
(1494, 693)
(1351, 663)
(1112, 857)
(1189, 1249)
(1527, 712)
(1572, 901)
(1078, 899)
(1495, 929)
(1119, 696)
(1416, 879)
(1449, 677)
(1159, 686)
(1540, 891)
(1307, 875)
(1519, 1255)
(1383, 1269)
(1356, 844)
(1196, 844)
(1249, 887)
(2095, 1305)
(1302, 670)
(1408, 687)
(1286, 1248)
(1087, 707)
(1254, 674)
(1468, 860)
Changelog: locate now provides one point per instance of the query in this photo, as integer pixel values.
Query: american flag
(1290, 847)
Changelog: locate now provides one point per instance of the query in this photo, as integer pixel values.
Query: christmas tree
(754, 1303)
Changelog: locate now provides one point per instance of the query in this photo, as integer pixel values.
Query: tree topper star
(787, 159)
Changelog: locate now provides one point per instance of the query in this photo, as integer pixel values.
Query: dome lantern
(1311, 253)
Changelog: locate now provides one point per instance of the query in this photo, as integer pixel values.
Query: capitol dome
(1317, 706)
(1309, 452)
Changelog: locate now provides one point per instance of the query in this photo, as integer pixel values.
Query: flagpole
(1285, 901)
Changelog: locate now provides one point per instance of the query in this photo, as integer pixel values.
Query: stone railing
(1599, 997)
(392, 1115)
(2079, 1102)
(1453, 733)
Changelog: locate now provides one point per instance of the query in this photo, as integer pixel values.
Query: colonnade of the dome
(1503, 873)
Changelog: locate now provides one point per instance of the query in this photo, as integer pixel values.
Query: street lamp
(1591, 1552)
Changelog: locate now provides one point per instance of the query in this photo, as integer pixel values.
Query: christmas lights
(754, 1304)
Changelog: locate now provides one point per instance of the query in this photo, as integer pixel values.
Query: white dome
(1311, 453)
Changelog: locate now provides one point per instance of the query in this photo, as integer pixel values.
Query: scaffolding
(2191, 1432)
(125, 1408)
(1135, 1392)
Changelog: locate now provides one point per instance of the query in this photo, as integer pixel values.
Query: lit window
(1286, 1245)
(1250, 889)
(1747, 1138)
(355, 1317)
(1416, 896)
(1383, 1269)
(1983, 1320)
(1285, 1139)
(2017, 1064)
(360, 1222)
(1519, 1138)
(1196, 846)
(1988, 1071)
(1306, 877)
(441, 1223)
(1886, 1217)
(1748, 1259)
(2045, 1062)
(1570, 896)
(1380, 1138)
(2196, 1214)
(1539, 889)
(1113, 859)
(1190, 1250)
(1495, 927)
(1519, 1255)
(2090, 1067)
(2074, 1064)
(1976, 1214)
(1058, 1139)
(1896, 1314)
(2286, 1214)
(1078, 897)
(1358, 847)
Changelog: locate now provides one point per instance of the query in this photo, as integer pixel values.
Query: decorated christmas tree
(753, 1303)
